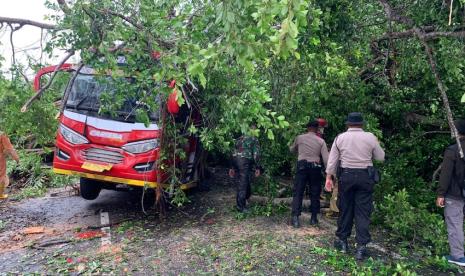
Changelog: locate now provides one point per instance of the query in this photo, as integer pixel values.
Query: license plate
(96, 167)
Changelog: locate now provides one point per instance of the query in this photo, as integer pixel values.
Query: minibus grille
(102, 155)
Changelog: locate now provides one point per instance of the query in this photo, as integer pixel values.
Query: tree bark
(442, 90)
(22, 22)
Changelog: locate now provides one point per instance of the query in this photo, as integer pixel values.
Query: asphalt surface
(58, 216)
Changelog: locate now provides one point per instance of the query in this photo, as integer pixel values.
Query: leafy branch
(23, 22)
(49, 83)
(423, 37)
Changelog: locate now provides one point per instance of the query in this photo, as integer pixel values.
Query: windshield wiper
(85, 108)
(76, 105)
(81, 101)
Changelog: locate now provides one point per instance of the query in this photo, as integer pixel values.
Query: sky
(27, 39)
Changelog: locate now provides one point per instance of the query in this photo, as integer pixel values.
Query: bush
(38, 125)
(420, 228)
(33, 178)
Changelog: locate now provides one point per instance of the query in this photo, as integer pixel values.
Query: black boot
(361, 252)
(243, 210)
(341, 245)
(295, 221)
(314, 219)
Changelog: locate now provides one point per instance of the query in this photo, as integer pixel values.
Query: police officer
(246, 156)
(355, 149)
(311, 149)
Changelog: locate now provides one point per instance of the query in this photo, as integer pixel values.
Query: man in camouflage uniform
(245, 157)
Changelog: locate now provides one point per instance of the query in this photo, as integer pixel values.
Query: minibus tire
(90, 189)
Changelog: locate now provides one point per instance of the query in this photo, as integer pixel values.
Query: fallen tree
(283, 201)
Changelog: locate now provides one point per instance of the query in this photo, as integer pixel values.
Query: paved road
(56, 218)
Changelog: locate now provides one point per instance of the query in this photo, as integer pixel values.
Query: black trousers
(243, 167)
(355, 202)
(307, 174)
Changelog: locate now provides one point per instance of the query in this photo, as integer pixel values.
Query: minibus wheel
(90, 189)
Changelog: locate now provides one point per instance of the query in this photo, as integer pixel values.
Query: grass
(33, 179)
(63, 264)
(38, 186)
(347, 264)
(257, 253)
(2, 224)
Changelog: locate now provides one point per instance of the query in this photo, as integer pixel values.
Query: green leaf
(293, 29)
(195, 68)
(270, 134)
(230, 16)
(180, 99)
(203, 80)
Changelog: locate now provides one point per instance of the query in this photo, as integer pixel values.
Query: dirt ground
(65, 234)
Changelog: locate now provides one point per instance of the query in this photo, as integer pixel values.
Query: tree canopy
(280, 63)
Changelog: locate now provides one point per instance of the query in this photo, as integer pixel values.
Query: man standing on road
(451, 196)
(322, 124)
(311, 149)
(355, 149)
(245, 157)
(6, 149)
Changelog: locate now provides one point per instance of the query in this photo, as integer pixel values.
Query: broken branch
(22, 22)
(53, 242)
(427, 36)
(450, 12)
(50, 81)
(423, 37)
(436, 173)
(442, 90)
(283, 201)
(164, 43)
(68, 88)
(13, 57)
(63, 6)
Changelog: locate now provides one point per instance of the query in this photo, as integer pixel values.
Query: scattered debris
(284, 200)
(51, 242)
(33, 230)
(68, 191)
(90, 235)
(108, 224)
(210, 221)
(80, 268)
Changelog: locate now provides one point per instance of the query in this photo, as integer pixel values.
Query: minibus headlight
(141, 146)
(72, 136)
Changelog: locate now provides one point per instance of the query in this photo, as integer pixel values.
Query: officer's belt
(354, 170)
(312, 165)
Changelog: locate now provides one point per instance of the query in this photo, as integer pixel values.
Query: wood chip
(34, 230)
